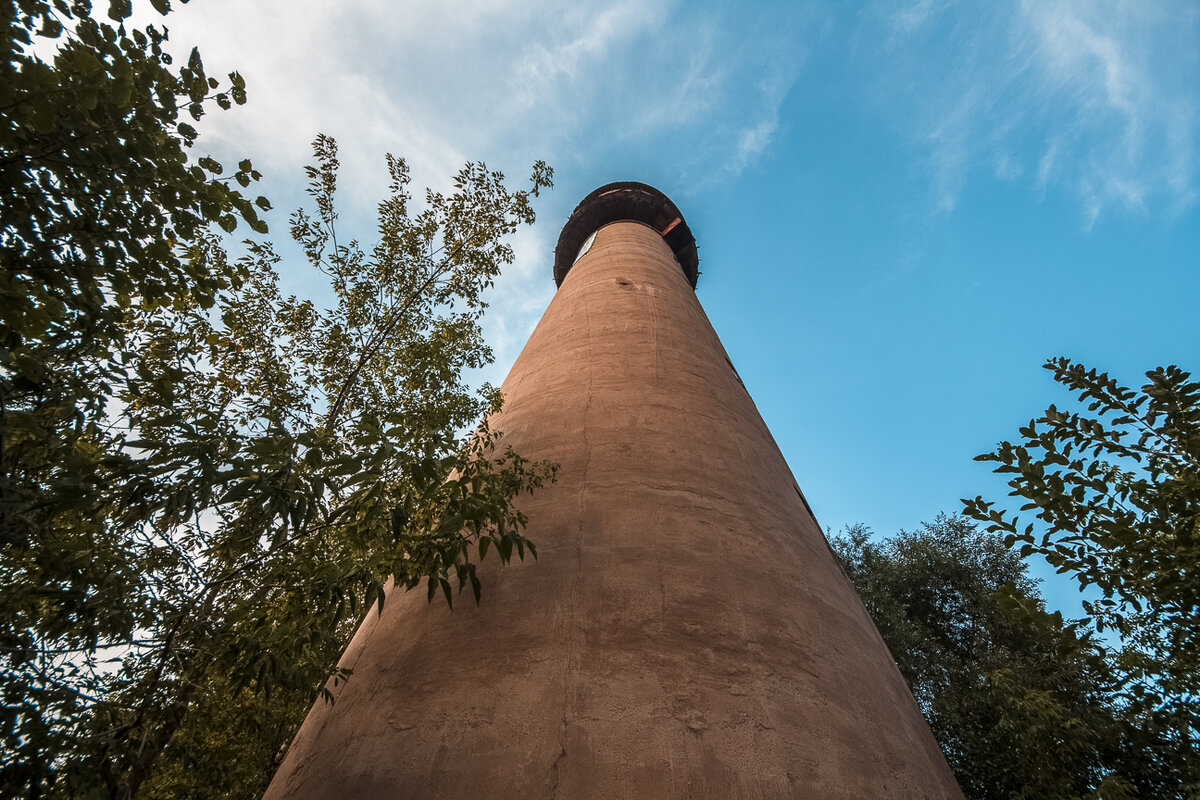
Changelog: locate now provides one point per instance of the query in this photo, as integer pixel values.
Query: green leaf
(51, 28)
(118, 10)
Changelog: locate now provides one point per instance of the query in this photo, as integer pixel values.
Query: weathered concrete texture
(686, 632)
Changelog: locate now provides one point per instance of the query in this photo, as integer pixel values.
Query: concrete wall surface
(686, 631)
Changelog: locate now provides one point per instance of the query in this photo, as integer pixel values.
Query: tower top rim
(618, 202)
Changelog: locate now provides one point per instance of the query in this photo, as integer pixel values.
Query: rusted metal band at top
(627, 200)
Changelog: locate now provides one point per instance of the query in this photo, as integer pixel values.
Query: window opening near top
(587, 243)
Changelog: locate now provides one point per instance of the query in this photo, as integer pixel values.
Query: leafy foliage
(1020, 700)
(1115, 491)
(98, 193)
(205, 483)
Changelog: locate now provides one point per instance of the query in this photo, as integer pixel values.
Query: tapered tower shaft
(686, 631)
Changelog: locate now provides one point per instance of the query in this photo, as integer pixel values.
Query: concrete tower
(686, 631)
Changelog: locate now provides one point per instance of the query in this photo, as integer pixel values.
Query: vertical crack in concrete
(572, 628)
(652, 306)
(562, 753)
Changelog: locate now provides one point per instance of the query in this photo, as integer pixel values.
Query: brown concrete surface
(686, 632)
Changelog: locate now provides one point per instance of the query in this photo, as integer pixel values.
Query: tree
(1019, 699)
(1115, 496)
(206, 483)
(288, 461)
(98, 192)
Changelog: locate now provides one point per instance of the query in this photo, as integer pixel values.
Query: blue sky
(902, 208)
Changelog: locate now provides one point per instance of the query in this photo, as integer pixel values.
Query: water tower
(686, 631)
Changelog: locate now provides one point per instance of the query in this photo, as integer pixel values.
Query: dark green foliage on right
(1109, 493)
(1020, 700)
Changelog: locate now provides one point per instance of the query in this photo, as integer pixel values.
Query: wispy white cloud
(606, 90)
(549, 66)
(753, 141)
(1098, 100)
(1134, 121)
(907, 17)
(505, 80)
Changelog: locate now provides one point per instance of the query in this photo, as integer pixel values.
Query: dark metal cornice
(627, 200)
